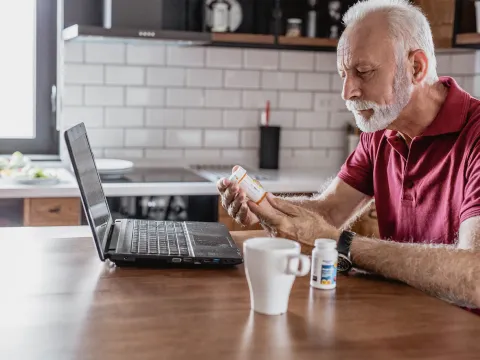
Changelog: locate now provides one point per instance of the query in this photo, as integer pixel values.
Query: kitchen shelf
(468, 39)
(306, 41)
(243, 38)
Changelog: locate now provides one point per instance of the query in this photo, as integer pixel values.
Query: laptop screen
(93, 197)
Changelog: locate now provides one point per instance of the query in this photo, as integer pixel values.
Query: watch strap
(344, 242)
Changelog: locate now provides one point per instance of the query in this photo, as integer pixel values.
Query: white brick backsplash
(74, 52)
(185, 56)
(242, 156)
(326, 101)
(337, 83)
(123, 117)
(145, 55)
(463, 64)
(285, 158)
(295, 100)
(339, 120)
(164, 154)
(326, 62)
(165, 117)
(312, 81)
(241, 79)
(221, 138)
(328, 139)
(144, 137)
(241, 118)
(83, 74)
(303, 158)
(105, 53)
(165, 76)
(311, 120)
(203, 154)
(207, 78)
(253, 99)
(297, 60)
(282, 118)
(184, 138)
(468, 83)
(185, 97)
(223, 98)
(104, 95)
(145, 96)
(295, 138)
(335, 158)
(250, 138)
(224, 58)
(98, 153)
(73, 95)
(124, 75)
(124, 153)
(203, 118)
(260, 59)
(91, 116)
(278, 80)
(444, 64)
(106, 138)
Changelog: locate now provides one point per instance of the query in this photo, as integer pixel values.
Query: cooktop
(151, 175)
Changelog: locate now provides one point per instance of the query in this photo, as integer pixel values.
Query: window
(28, 72)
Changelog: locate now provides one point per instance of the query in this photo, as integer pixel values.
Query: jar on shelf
(294, 27)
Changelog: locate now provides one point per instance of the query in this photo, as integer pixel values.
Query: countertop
(281, 181)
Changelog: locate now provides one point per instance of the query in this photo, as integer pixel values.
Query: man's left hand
(290, 221)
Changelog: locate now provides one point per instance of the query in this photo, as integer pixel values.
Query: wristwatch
(344, 263)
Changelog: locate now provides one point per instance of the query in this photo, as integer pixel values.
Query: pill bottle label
(325, 273)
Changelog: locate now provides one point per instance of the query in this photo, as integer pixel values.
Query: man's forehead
(357, 47)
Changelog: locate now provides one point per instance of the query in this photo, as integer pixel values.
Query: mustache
(357, 105)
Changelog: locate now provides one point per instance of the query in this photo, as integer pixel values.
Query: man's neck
(421, 111)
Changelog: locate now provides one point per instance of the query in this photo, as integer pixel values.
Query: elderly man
(419, 158)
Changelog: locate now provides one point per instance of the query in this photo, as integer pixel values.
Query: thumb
(265, 213)
(283, 205)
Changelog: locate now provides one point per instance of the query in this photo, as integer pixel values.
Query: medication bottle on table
(324, 264)
(252, 187)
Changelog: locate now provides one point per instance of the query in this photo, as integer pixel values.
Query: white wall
(197, 105)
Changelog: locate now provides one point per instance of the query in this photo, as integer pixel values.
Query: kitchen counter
(281, 181)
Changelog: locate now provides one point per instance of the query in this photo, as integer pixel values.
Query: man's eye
(364, 73)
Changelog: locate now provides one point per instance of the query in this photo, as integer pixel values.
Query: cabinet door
(440, 14)
(52, 212)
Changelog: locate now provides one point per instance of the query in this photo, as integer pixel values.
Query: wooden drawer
(51, 212)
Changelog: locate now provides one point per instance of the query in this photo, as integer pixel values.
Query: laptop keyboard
(159, 238)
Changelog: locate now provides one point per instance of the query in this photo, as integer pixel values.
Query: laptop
(143, 242)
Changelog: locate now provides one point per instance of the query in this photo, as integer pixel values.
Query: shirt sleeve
(357, 171)
(471, 201)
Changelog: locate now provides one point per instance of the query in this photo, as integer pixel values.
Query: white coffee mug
(271, 265)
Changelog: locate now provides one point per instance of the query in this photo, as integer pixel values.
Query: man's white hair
(409, 27)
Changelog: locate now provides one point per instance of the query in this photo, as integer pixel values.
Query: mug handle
(304, 265)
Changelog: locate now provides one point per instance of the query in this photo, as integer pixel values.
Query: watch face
(344, 264)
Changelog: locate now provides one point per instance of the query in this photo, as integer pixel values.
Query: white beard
(383, 115)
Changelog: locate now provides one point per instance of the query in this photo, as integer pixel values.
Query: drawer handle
(54, 210)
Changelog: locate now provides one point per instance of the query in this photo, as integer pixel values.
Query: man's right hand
(234, 201)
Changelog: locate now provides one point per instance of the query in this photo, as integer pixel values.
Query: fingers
(223, 184)
(283, 206)
(235, 206)
(265, 213)
(235, 168)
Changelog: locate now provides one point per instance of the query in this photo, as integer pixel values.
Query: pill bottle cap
(325, 244)
(238, 174)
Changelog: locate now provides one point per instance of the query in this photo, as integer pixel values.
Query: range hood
(93, 33)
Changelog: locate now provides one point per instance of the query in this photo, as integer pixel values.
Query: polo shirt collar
(452, 115)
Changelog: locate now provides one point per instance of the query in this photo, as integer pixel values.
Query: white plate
(38, 181)
(113, 166)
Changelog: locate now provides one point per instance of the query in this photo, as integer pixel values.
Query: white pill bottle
(253, 189)
(324, 264)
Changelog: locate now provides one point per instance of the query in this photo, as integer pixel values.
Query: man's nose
(351, 89)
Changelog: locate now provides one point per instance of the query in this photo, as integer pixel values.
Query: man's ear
(419, 61)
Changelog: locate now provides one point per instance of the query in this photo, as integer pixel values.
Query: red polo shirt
(423, 192)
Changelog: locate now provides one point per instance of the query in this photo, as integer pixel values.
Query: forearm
(443, 271)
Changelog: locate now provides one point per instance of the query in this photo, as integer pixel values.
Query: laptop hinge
(109, 239)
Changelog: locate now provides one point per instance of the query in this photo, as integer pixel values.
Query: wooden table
(60, 302)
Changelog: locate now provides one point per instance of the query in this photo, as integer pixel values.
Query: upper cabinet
(280, 24)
